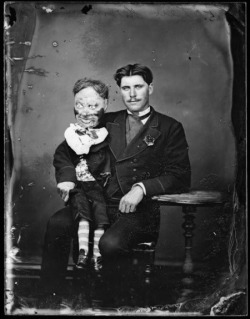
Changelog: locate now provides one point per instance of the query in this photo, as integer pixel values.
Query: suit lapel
(117, 136)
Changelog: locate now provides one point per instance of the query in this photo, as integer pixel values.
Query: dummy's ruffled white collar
(80, 139)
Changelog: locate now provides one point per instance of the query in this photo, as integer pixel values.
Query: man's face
(135, 93)
(89, 107)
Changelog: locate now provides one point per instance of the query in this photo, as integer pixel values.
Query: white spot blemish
(26, 43)
(48, 9)
(6, 25)
(18, 59)
(31, 184)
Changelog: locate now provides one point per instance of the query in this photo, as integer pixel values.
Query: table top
(193, 198)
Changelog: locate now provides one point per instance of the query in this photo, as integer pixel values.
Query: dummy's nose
(84, 110)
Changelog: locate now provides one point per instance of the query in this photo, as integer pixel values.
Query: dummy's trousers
(87, 202)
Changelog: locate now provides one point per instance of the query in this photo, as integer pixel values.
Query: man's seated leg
(123, 235)
(116, 247)
(56, 250)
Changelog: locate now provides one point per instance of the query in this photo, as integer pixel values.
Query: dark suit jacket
(157, 156)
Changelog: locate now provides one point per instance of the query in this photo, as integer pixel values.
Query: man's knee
(110, 246)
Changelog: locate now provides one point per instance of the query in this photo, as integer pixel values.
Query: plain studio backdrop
(187, 47)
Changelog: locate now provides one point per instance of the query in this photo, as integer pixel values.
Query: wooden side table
(190, 202)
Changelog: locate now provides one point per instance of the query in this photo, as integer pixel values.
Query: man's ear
(105, 104)
(151, 88)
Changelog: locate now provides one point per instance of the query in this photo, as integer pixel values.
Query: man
(149, 156)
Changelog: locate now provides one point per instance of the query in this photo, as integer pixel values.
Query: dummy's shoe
(83, 260)
(97, 263)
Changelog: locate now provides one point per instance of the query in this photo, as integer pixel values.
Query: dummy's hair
(100, 88)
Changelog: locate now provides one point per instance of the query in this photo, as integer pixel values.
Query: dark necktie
(133, 125)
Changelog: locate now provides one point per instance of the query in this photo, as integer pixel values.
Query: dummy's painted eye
(92, 107)
(79, 105)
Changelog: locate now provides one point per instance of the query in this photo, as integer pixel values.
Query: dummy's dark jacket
(157, 156)
(65, 161)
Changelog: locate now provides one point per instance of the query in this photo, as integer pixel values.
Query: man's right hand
(64, 188)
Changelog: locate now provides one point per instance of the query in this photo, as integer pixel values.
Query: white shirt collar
(142, 112)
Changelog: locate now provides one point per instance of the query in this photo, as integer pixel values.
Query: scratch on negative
(33, 70)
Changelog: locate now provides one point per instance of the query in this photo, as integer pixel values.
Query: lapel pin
(149, 140)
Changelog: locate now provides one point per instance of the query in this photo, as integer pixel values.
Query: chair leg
(148, 263)
(147, 274)
(149, 267)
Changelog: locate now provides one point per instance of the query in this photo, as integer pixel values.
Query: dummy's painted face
(135, 93)
(89, 107)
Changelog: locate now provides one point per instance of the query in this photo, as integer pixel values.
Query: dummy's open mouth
(86, 121)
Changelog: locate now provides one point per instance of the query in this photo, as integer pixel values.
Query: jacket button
(134, 178)
(134, 169)
(135, 160)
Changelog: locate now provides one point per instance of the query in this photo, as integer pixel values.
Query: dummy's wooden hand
(129, 201)
(64, 188)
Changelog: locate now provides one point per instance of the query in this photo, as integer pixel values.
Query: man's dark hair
(101, 88)
(134, 69)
